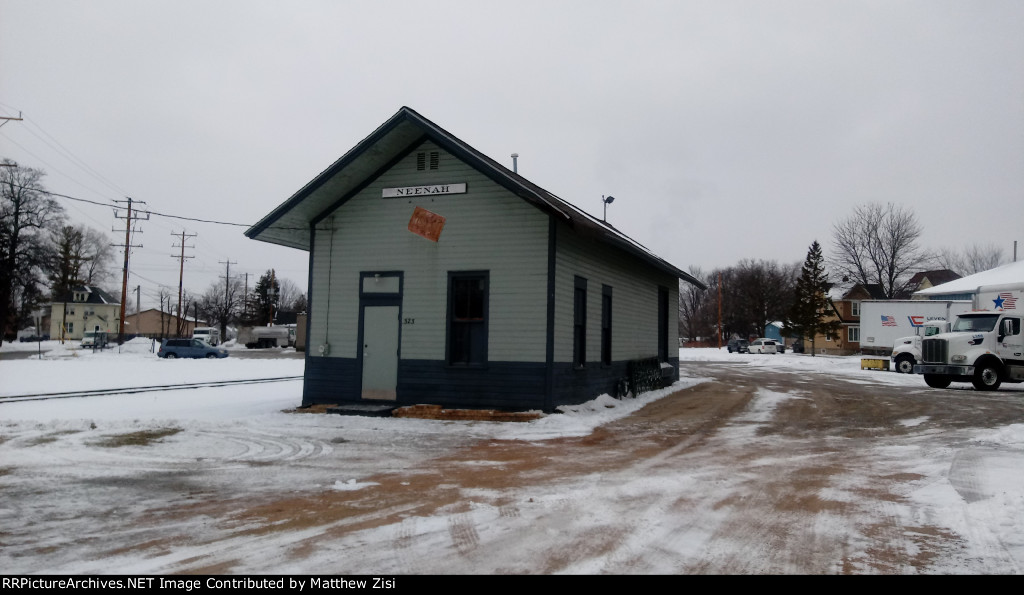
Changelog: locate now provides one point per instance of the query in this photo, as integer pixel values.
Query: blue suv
(174, 348)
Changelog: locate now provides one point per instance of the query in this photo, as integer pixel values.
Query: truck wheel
(937, 380)
(986, 377)
(171, 356)
(905, 364)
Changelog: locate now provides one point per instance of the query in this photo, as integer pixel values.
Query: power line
(74, 159)
(151, 212)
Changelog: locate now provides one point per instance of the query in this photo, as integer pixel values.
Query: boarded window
(606, 325)
(467, 318)
(662, 324)
(579, 323)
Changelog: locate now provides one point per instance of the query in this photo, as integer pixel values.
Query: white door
(380, 352)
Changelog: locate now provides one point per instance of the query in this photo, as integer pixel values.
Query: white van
(207, 333)
(95, 339)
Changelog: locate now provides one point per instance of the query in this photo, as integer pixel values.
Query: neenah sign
(424, 190)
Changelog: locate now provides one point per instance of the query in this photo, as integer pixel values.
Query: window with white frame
(853, 334)
(855, 308)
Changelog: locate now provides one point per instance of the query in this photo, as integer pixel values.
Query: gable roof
(849, 291)
(95, 296)
(289, 224)
(933, 277)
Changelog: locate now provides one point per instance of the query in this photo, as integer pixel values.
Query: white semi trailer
(894, 328)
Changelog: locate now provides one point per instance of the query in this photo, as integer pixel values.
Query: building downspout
(549, 373)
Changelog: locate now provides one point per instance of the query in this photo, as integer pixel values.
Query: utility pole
(7, 119)
(719, 310)
(227, 284)
(129, 220)
(245, 300)
(138, 301)
(181, 277)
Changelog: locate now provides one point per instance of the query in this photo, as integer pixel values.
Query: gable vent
(421, 161)
(435, 159)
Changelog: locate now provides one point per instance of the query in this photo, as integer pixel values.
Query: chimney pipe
(515, 163)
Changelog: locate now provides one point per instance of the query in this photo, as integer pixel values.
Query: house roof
(847, 290)
(157, 311)
(289, 224)
(1001, 275)
(95, 296)
(934, 277)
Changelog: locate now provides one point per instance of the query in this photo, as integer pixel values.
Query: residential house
(774, 330)
(846, 298)
(85, 307)
(437, 275)
(154, 323)
(927, 279)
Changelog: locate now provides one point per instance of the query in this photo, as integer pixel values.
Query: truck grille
(934, 351)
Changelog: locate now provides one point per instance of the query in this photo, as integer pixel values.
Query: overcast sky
(725, 130)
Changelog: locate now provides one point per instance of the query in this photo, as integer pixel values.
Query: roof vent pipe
(515, 163)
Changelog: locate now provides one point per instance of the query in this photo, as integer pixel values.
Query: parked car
(780, 347)
(798, 346)
(34, 338)
(762, 345)
(196, 348)
(738, 346)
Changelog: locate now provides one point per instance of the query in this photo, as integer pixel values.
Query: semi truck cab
(985, 348)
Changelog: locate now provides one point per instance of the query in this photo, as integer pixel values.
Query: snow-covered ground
(220, 428)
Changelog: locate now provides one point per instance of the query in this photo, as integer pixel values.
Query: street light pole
(607, 200)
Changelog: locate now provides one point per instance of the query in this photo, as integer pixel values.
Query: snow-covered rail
(141, 389)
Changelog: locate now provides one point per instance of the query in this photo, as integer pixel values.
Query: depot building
(438, 275)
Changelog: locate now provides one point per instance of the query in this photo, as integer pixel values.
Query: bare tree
(25, 213)
(972, 259)
(288, 294)
(189, 305)
(99, 256)
(692, 299)
(763, 291)
(879, 245)
(753, 293)
(167, 326)
(221, 304)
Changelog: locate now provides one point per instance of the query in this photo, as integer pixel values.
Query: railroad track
(140, 389)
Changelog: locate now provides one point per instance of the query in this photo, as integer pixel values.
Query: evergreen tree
(264, 298)
(812, 307)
